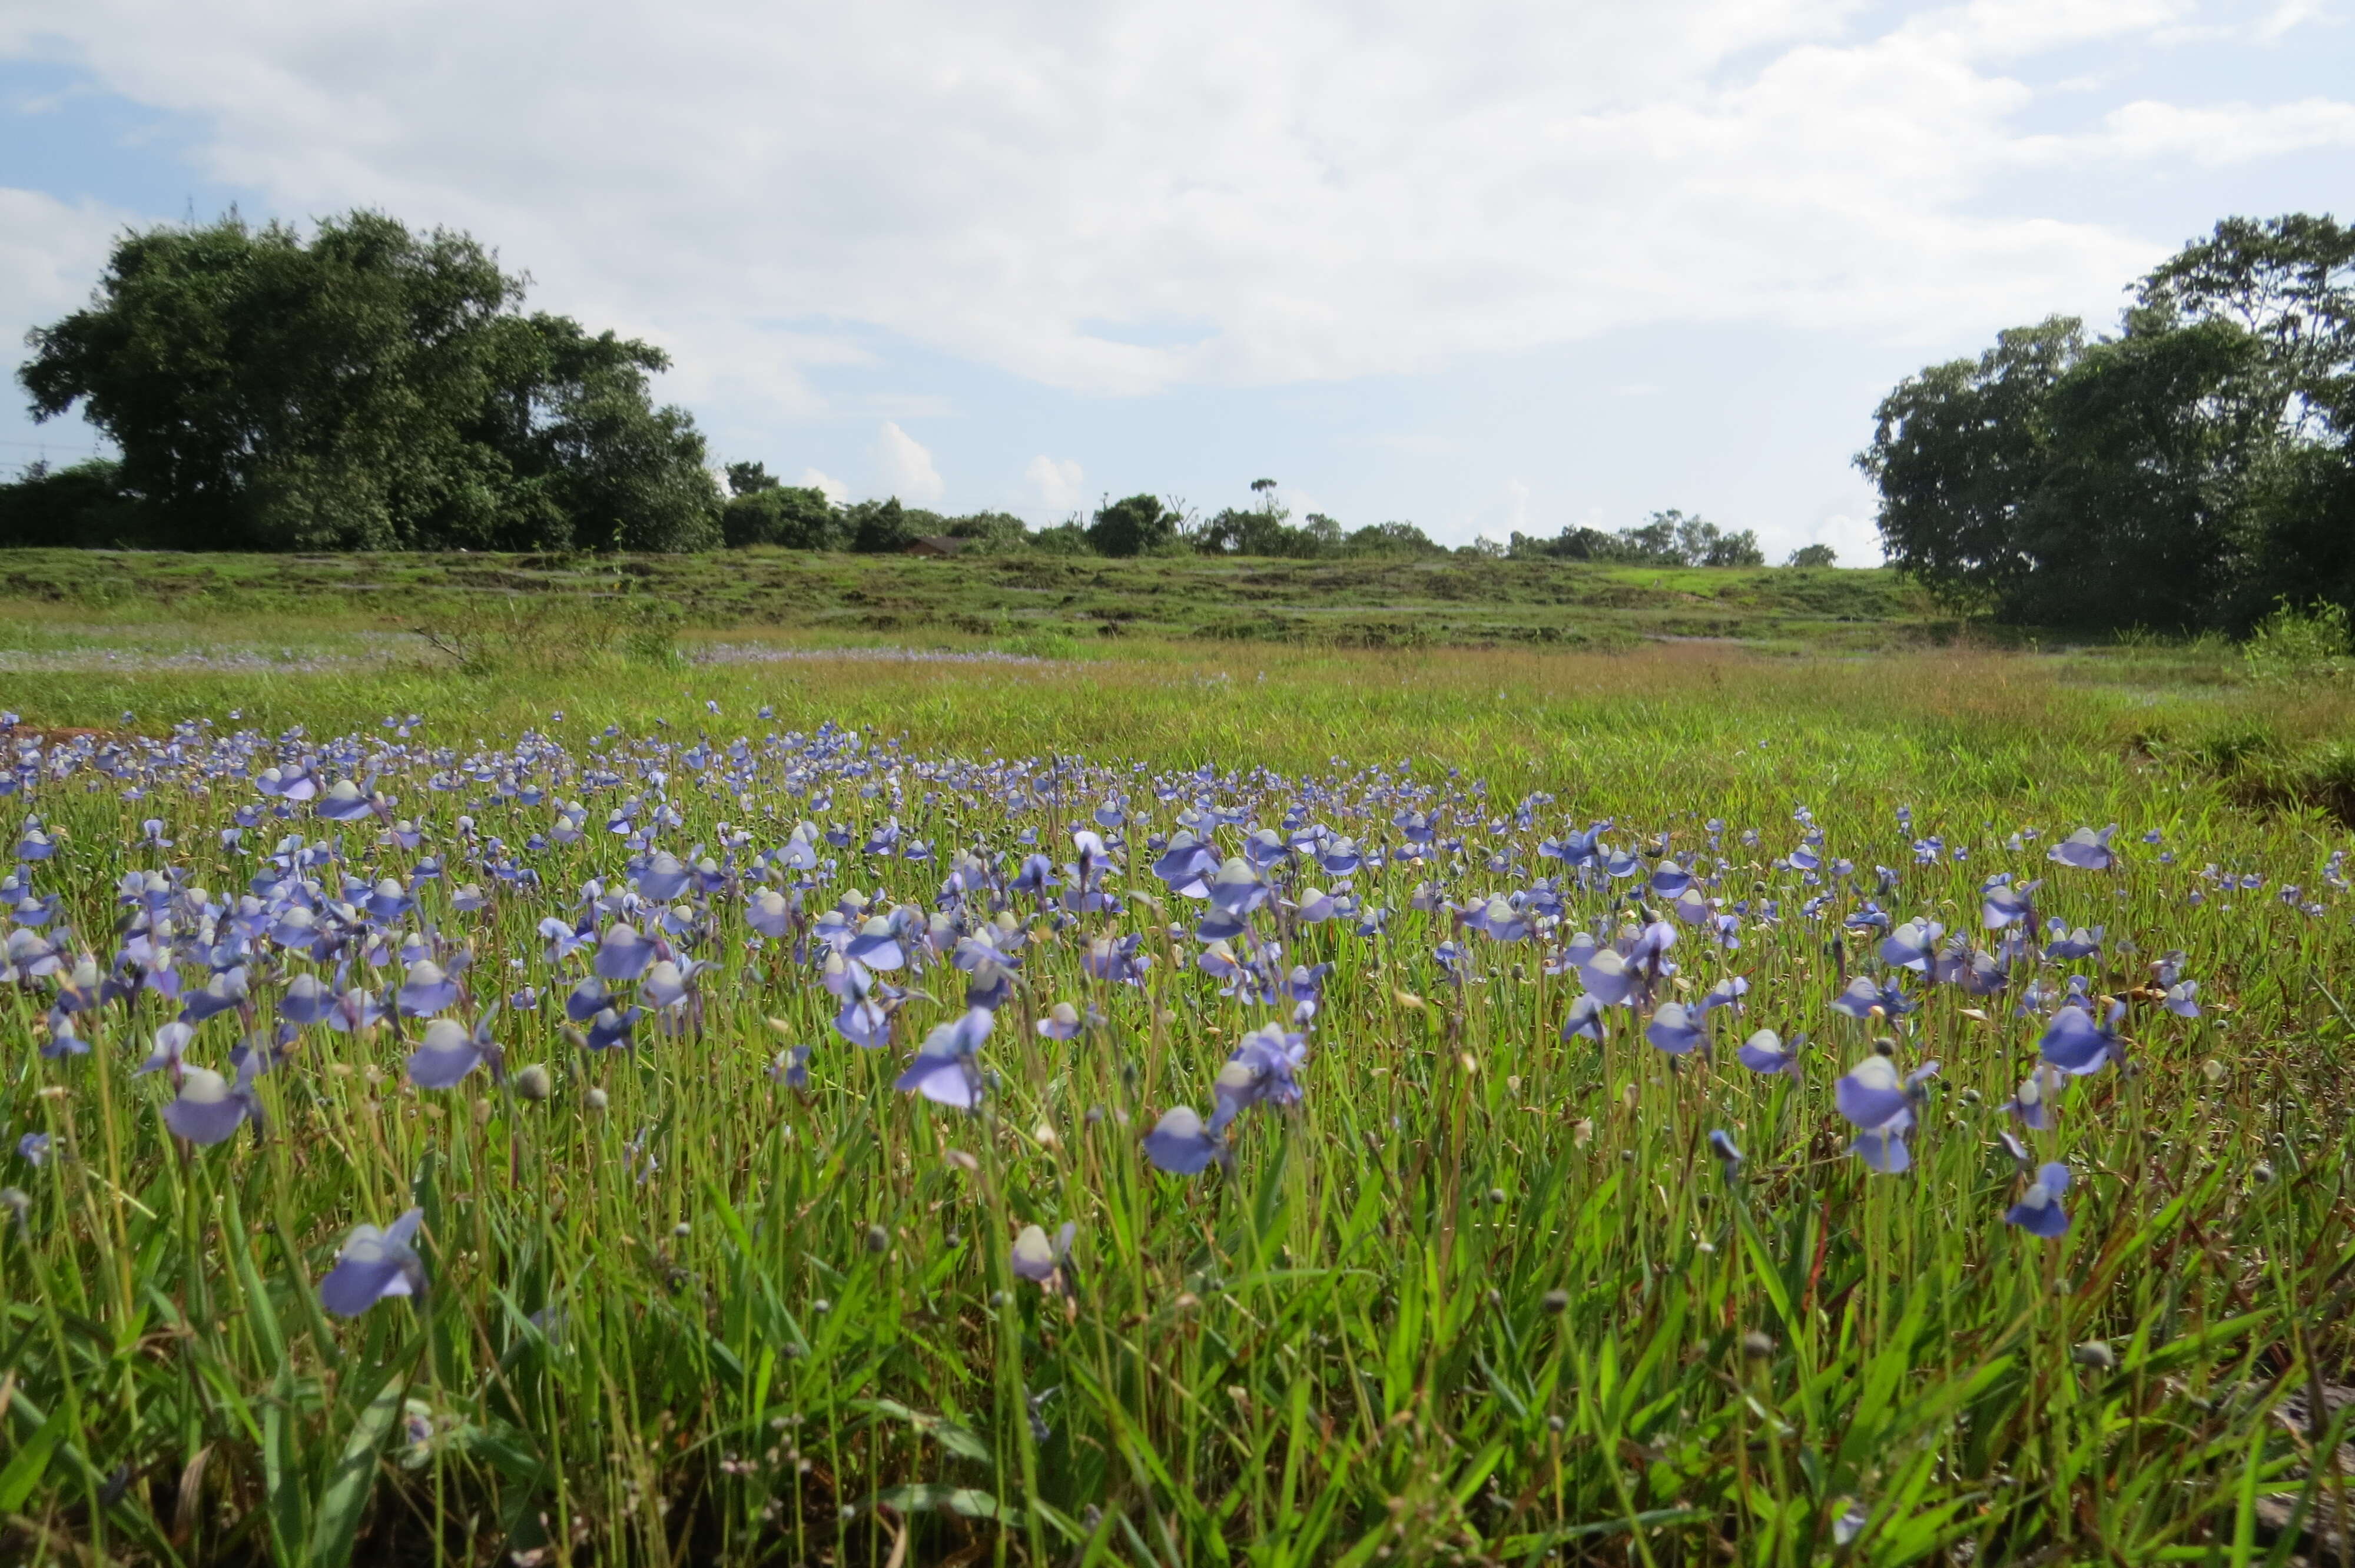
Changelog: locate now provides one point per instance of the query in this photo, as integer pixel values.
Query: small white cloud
(905, 466)
(1516, 507)
(1059, 485)
(834, 490)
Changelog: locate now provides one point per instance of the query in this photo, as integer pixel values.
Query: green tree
(2189, 472)
(371, 388)
(1811, 557)
(794, 516)
(81, 504)
(1959, 452)
(1134, 525)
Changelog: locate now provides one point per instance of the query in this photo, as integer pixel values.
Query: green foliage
(1665, 540)
(1807, 558)
(2298, 643)
(1134, 525)
(2186, 473)
(793, 516)
(84, 503)
(1482, 1294)
(369, 388)
(508, 636)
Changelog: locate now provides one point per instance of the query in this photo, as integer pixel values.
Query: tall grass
(1483, 1295)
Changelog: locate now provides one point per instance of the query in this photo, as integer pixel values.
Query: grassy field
(1368, 604)
(1480, 1294)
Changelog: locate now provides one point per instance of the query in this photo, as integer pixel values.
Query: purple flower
(608, 1029)
(1765, 1053)
(1061, 1022)
(943, 1070)
(448, 1052)
(1180, 1144)
(2075, 1043)
(2183, 998)
(1238, 889)
(1187, 866)
(1042, 1258)
(209, 1107)
(1262, 1067)
(1881, 1104)
(2002, 904)
(375, 1264)
(1909, 946)
(2085, 849)
(1607, 978)
(1674, 1031)
(791, 1067)
(220, 994)
(622, 954)
(1865, 996)
(2032, 1101)
(308, 1000)
(343, 802)
(1585, 1018)
(769, 914)
(426, 991)
(1116, 961)
(2069, 946)
(2038, 1210)
(877, 946)
(662, 878)
(1729, 1154)
(170, 1041)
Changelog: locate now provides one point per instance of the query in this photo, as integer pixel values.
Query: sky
(1481, 267)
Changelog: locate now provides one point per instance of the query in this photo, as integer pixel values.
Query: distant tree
(1135, 525)
(370, 387)
(2189, 472)
(1392, 539)
(1812, 556)
(991, 532)
(1068, 537)
(1665, 540)
(81, 505)
(750, 479)
(881, 527)
(794, 516)
(1959, 452)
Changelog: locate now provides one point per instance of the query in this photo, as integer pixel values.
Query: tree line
(372, 387)
(2192, 470)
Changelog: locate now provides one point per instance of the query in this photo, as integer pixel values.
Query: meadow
(843, 1093)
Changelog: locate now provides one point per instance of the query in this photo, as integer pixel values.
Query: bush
(81, 505)
(555, 635)
(2294, 644)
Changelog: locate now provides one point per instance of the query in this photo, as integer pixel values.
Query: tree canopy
(2191, 470)
(367, 388)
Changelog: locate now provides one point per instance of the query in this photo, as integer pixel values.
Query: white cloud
(1330, 188)
(1057, 485)
(904, 469)
(833, 488)
(50, 253)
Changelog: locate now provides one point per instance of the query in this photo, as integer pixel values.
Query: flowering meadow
(1654, 1114)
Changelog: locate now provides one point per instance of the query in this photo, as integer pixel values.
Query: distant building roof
(934, 544)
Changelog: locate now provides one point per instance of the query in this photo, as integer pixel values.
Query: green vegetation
(1482, 1295)
(2190, 472)
(984, 598)
(366, 389)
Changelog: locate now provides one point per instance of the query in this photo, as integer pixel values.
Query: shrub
(2297, 644)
